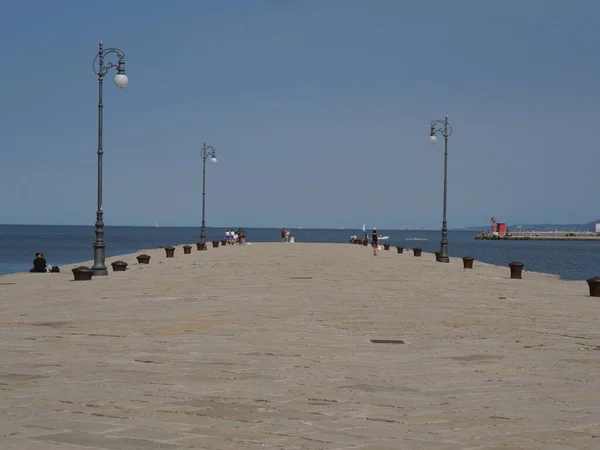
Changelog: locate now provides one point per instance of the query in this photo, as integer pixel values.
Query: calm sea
(71, 244)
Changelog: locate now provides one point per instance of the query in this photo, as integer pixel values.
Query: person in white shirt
(227, 235)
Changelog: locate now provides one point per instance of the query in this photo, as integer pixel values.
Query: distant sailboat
(157, 224)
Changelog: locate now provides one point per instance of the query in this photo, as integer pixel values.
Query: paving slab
(271, 346)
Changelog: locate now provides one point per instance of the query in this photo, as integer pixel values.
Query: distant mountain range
(590, 226)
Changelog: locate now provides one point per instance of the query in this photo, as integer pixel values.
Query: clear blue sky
(319, 110)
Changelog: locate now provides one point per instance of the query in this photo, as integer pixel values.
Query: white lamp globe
(432, 139)
(213, 160)
(121, 80)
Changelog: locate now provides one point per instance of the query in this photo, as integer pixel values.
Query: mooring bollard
(215, 244)
(170, 251)
(468, 262)
(437, 255)
(417, 251)
(143, 259)
(200, 246)
(386, 246)
(594, 285)
(82, 273)
(187, 249)
(515, 270)
(119, 266)
(223, 242)
(400, 249)
(365, 243)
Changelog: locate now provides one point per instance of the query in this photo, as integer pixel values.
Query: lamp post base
(99, 266)
(444, 259)
(203, 230)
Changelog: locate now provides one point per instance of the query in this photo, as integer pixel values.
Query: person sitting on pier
(39, 263)
(41, 266)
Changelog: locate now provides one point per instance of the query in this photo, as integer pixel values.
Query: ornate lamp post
(207, 151)
(444, 128)
(101, 69)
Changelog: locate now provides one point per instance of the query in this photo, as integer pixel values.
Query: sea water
(61, 245)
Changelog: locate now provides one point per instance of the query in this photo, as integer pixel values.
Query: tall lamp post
(101, 68)
(207, 151)
(443, 127)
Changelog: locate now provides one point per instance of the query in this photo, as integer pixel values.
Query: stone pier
(270, 346)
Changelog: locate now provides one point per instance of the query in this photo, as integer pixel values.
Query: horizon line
(224, 227)
(467, 227)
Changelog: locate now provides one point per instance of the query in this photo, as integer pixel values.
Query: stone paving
(268, 346)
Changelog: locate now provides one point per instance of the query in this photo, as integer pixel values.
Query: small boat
(157, 224)
(416, 239)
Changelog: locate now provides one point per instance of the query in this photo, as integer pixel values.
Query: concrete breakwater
(540, 236)
(298, 346)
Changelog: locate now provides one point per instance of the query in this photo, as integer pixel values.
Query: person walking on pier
(374, 242)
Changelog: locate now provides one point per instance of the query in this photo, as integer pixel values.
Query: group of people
(285, 235)
(41, 266)
(365, 240)
(234, 237)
